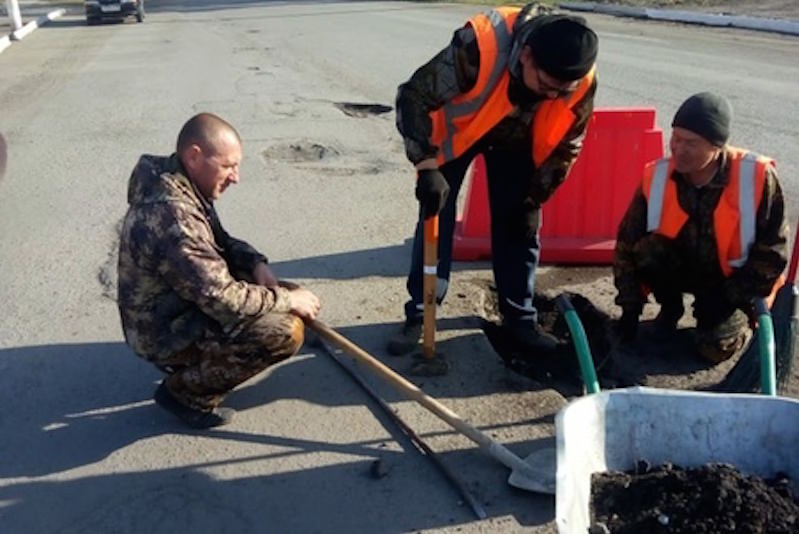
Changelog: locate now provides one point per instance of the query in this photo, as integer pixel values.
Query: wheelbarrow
(613, 430)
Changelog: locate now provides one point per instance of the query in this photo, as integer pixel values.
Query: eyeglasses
(547, 88)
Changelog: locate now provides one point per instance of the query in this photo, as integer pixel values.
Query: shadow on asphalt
(69, 406)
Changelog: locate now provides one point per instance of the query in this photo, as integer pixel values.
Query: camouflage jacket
(454, 71)
(176, 265)
(695, 244)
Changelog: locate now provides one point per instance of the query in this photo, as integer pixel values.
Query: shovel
(431, 363)
(524, 475)
(545, 459)
(429, 279)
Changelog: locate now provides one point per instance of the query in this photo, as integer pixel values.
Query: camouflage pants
(201, 375)
(722, 329)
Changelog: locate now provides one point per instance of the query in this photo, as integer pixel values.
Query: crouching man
(709, 221)
(202, 306)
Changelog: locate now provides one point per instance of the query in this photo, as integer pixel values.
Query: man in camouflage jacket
(548, 57)
(689, 262)
(201, 305)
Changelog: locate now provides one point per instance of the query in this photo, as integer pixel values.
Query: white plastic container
(613, 430)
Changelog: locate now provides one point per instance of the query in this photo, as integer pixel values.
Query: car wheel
(91, 21)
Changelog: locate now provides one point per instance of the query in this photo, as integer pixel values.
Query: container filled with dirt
(615, 430)
(709, 498)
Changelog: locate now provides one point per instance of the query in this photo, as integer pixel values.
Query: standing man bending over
(517, 86)
(201, 305)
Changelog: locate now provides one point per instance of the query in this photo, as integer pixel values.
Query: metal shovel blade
(540, 473)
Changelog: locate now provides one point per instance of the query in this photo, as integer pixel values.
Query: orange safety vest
(735, 215)
(462, 121)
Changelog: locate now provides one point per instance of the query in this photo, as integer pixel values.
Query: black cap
(706, 114)
(563, 46)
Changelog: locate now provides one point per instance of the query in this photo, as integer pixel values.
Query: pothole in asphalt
(299, 152)
(562, 366)
(360, 111)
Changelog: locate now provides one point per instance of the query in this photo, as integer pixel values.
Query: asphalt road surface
(328, 197)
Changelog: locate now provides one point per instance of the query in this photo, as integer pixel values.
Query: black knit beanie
(706, 114)
(563, 46)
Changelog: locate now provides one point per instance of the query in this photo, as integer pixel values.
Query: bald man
(202, 306)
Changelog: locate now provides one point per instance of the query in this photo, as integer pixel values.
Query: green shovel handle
(565, 307)
(765, 340)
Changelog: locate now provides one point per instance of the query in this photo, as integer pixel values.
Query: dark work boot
(190, 416)
(664, 326)
(407, 339)
(530, 338)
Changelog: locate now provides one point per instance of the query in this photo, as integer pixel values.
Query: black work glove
(431, 191)
(627, 328)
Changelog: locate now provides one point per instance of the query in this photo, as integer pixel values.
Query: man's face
(213, 169)
(690, 151)
(541, 83)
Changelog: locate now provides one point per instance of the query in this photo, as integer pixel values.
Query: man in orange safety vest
(709, 221)
(517, 86)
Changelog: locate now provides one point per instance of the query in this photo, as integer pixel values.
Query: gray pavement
(329, 198)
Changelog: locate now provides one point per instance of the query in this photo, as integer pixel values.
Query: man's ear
(191, 156)
(526, 55)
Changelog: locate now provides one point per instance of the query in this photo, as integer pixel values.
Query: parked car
(113, 9)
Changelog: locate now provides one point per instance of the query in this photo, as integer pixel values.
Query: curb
(19, 34)
(788, 27)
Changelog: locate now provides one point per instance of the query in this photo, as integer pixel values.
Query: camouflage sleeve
(240, 255)
(631, 230)
(769, 254)
(191, 263)
(554, 170)
(451, 72)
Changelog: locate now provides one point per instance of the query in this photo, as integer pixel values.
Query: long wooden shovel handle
(495, 449)
(429, 278)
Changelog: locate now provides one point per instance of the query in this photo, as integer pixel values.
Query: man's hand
(263, 275)
(431, 191)
(304, 304)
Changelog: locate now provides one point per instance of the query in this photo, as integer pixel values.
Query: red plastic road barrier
(581, 219)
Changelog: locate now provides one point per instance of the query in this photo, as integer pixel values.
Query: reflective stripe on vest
(654, 207)
(468, 104)
(746, 207)
(734, 218)
(461, 122)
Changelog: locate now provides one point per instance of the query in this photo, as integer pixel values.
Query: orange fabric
(553, 117)
(777, 285)
(726, 217)
(672, 216)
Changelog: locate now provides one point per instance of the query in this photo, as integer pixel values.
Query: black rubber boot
(190, 416)
(531, 338)
(407, 339)
(665, 324)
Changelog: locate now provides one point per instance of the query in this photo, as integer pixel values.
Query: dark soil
(648, 361)
(562, 366)
(711, 498)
